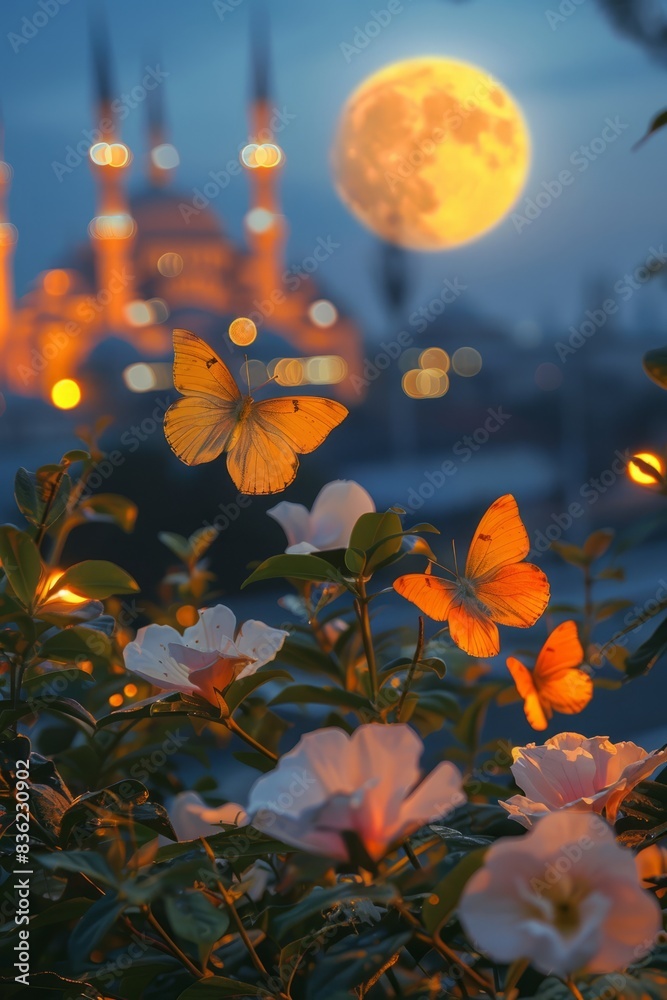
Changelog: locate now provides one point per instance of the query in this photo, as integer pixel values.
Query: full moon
(430, 153)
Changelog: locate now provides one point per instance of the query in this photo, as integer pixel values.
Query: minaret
(263, 158)
(112, 229)
(8, 238)
(163, 157)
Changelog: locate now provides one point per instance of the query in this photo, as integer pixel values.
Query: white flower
(337, 508)
(572, 772)
(207, 657)
(191, 818)
(565, 896)
(333, 790)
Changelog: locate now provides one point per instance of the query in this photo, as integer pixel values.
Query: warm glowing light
(130, 690)
(165, 156)
(66, 394)
(138, 313)
(56, 282)
(116, 700)
(435, 357)
(430, 153)
(9, 234)
(466, 361)
(325, 370)
(425, 383)
(64, 595)
(242, 331)
(323, 313)
(187, 615)
(112, 227)
(266, 155)
(259, 220)
(288, 371)
(159, 310)
(139, 377)
(110, 154)
(642, 476)
(170, 265)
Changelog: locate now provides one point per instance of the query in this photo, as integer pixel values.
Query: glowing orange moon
(430, 153)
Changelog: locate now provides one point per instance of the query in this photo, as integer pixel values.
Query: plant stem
(361, 606)
(229, 903)
(573, 988)
(588, 609)
(419, 649)
(55, 486)
(234, 727)
(171, 944)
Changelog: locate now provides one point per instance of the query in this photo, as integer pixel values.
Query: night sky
(568, 77)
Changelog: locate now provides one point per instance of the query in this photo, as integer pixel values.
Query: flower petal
(294, 519)
(214, 630)
(149, 657)
(337, 508)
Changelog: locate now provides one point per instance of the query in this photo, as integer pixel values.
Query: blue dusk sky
(568, 77)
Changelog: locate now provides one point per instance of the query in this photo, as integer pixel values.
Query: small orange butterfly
(497, 587)
(556, 682)
(262, 440)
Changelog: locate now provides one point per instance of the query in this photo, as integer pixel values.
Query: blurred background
(134, 199)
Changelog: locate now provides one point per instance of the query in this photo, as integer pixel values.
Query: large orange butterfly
(262, 440)
(497, 586)
(556, 683)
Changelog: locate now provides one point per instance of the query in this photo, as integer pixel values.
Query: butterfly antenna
(247, 372)
(456, 565)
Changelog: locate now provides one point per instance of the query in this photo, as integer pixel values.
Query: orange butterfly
(262, 440)
(556, 683)
(496, 587)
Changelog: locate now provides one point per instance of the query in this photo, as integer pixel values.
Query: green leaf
(655, 366)
(241, 689)
(597, 544)
(355, 561)
(79, 862)
(21, 562)
(110, 507)
(647, 655)
(446, 894)
(657, 122)
(378, 535)
(200, 542)
(220, 986)
(98, 579)
(194, 918)
(176, 544)
(42, 496)
(318, 901)
(295, 567)
(570, 553)
(73, 645)
(92, 927)
(75, 455)
(310, 694)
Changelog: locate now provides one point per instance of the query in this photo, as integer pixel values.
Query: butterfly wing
(429, 593)
(473, 630)
(500, 539)
(263, 458)
(558, 680)
(532, 706)
(515, 595)
(199, 426)
(199, 371)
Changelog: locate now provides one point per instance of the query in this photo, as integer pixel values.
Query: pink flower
(207, 657)
(191, 818)
(333, 789)
(337, 508)
(652, 863)
(566, 897)
(572, 772)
